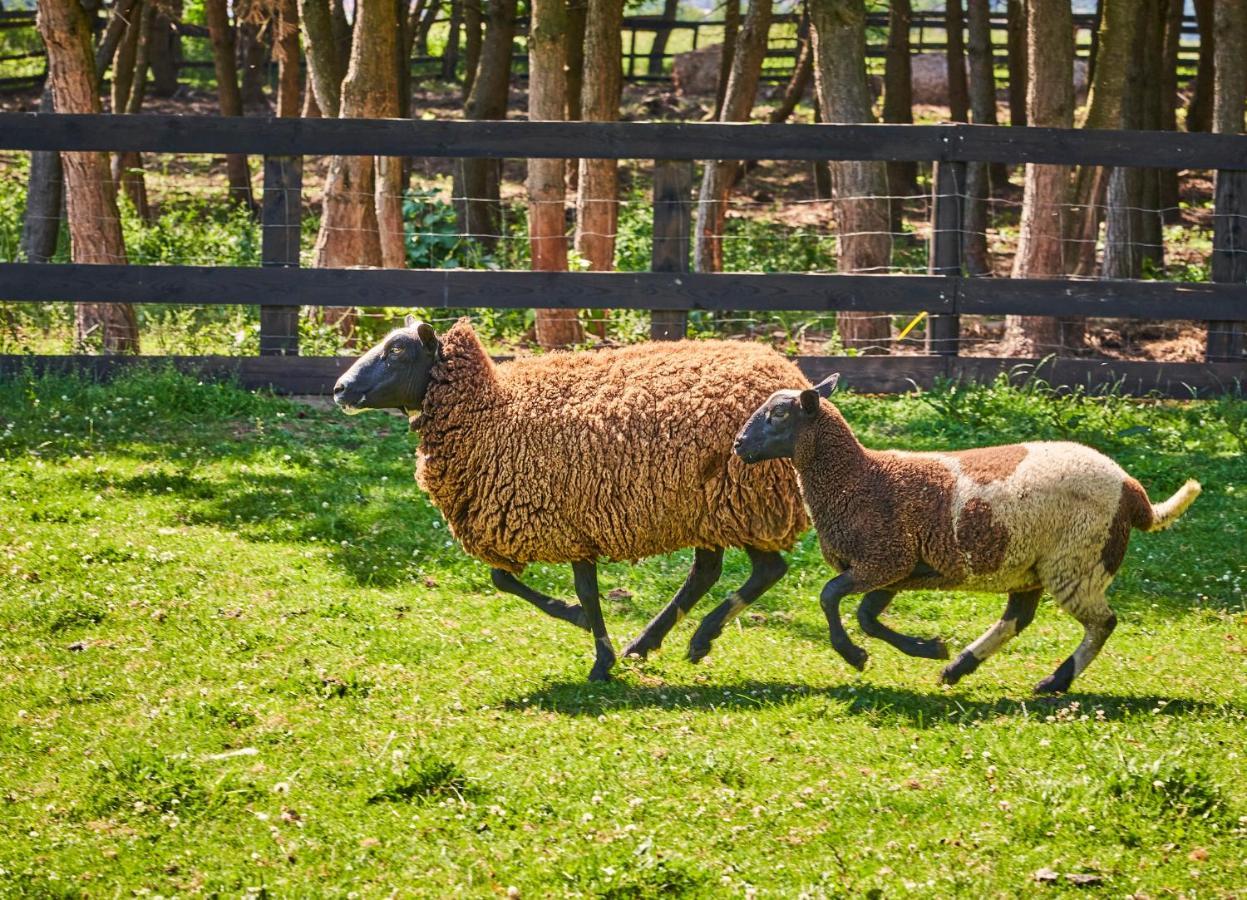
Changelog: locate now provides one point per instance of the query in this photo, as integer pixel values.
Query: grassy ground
(242, 655)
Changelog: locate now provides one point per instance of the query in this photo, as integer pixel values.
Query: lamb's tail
(1159, 516)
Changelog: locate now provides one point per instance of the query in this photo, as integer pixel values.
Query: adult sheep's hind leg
(707, 566)
(586, 572)
(767, 567)
(1019, 612)
(868, 612)
(1098, 621)
(568, 612)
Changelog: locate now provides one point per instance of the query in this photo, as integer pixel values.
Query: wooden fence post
(1229, 260)
(944, 256)
(673, 225)
(280, 226)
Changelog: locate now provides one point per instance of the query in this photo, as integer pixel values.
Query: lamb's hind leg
(868, 611)
(1098, 621)
(768, 567)
(707, 566)
(568, 612)
(1019, 612)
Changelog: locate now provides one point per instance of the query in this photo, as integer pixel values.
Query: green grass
(242, 655)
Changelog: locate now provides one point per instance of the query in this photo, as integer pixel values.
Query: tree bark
(128, 167)
(597, 196)
(450, 57)
(547, 101)
(719, 175)
(166, 49)
(898, 104)
(1018, 63)
(477, 196)
(1199, 111)
(658, 50)
(253, 52)
(1119, 21)
(286, 51)
(1168, 86)
(229, 97)
(574, 48)
(982, 90)
(958, 90)
(1230, 87)
(41, 226)
(326, 66)
(1050, 103)
(731, 36)
(864, 242)
(94, 224)
(1151, 42)
(471, 44)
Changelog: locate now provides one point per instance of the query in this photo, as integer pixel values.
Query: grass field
(242, 656)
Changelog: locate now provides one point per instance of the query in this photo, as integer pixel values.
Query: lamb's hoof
(950, 675)
(855, 656)
(1052, 685)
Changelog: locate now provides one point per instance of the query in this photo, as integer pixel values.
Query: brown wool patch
(987, 464)
(981, 537)
(1119, 531)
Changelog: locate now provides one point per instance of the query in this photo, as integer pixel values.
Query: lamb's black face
(392, 375)
(771, 432)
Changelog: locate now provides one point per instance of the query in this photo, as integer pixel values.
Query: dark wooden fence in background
(670, 290)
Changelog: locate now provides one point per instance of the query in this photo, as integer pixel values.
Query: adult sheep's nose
(339, 389)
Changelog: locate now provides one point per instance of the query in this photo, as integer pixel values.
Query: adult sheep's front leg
(567, 612)
(586, 572)
(833, 592)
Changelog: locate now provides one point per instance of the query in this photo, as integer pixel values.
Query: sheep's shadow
(916, 708)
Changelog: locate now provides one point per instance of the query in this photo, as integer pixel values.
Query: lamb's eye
(779, 415)
(394, 352)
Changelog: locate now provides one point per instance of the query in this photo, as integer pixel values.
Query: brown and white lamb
(1016, 519)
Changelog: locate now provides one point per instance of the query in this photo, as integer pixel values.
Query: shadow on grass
(917, 708)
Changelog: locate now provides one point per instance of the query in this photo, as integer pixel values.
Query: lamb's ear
(809, 401)
(827, 386)
(411, 321)
(427, 335)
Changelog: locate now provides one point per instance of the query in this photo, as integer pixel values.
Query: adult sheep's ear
(827, 386)
(809, 401)
(427, 335)
(411, 321)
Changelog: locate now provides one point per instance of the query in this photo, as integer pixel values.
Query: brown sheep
(575, 457)
(1015, 519)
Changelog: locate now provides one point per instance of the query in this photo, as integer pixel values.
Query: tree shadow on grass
(916, 708)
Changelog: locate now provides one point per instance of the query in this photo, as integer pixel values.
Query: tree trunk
(658, 50)
(450, 56)
(859, 189)
(982, 90)
(719, 175)
(597, 198)
(547, 102)
(898, 105)
(574, 48)
(1050, 103)
(286, 51)
(253, 52)
(228, 95)
(94, 224)
(1168, 86)
(326, 67)
(425, 25)
(821, 171)
(1230, 87)
(1199, 111)
(958, 91)
(166, 49)
(123, 61)
(1018, 63)
(477, 196)
(128, 167)
(471, 44)
(731, 32)
(1119, 21)
(41, 226)
(1151, 42)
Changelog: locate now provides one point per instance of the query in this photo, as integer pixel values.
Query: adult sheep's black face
(392, 375)
(771, 432)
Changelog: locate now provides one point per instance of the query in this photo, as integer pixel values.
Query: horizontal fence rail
(620, 140)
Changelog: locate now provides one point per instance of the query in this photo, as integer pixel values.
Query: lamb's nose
(339, 389)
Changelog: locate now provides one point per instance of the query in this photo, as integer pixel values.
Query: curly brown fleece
(617, 454)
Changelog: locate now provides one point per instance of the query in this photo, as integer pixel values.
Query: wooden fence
(669, 290)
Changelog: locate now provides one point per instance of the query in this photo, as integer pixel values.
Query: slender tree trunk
(123, 61)
(658, 50)
(326, 67)
(547, 101)
(402, 57)
(253, 53)
(958, 90)
(94, 224)
(41, 226)
(128, 167)
(821, 171)
(1168, 86)
(898, 105)
(228, 95)
(450, 57)
(478, 180)
(983, 112)
(719, 175)
(426, 24)
(1018, 63)
(731, 32)
(1119, 20)
(1230, 91)
(166, 49)
(1199, 111)
(799, 83)
(1151, 41)
(471, 44)
(860, 189)
(1050, 103)
(577, 23)
(286, 51)
(597, 201)
(342, 31)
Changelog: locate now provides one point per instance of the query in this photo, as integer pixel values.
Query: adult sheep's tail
(1159, 516)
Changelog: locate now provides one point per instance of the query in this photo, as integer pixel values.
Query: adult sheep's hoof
(855, 656)
(636, 649)
(597, 673)
(697, 651)
(1053, 684)
(938, 649)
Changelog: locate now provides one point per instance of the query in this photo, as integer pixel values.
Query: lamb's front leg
(835, 590)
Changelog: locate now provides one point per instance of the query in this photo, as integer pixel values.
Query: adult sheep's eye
(779, 414)
(394, 351)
